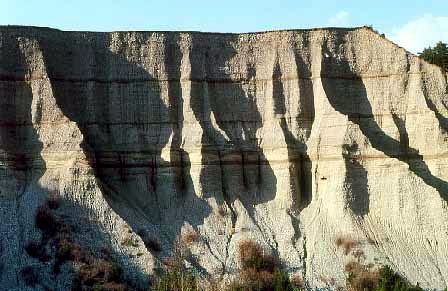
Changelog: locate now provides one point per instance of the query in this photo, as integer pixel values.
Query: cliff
(290, 138)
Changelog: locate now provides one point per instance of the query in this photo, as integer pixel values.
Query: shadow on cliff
(21, 154)
(20, 190)
(435, 107)
(347, 94)
(356, 180)
(121, 112)
(300, 171)
(225, 106)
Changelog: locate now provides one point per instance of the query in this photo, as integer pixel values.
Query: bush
(252, 255)
(68, 251)
(260, 271)
(389, 280)
(29, 275)
(361, 278)
(36, 251)
(99, 274)
(45, 221)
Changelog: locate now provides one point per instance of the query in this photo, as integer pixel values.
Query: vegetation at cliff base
(361, 276)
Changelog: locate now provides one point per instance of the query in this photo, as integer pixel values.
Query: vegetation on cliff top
(437, 55)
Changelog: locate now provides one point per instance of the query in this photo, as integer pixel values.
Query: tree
(437, 55)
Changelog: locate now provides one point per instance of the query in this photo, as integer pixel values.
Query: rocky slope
(290, 138)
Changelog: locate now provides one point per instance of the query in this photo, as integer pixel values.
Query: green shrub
(362, 278)
(391, 281)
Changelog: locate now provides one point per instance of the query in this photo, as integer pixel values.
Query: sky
(412, 24)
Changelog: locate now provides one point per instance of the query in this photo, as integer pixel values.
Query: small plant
(190, 236)
(347, 244)
(92, 273)
(53, 201)
(130, 242)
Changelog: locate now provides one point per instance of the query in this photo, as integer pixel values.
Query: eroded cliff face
(290, 138)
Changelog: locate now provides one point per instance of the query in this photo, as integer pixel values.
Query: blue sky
(412, 24)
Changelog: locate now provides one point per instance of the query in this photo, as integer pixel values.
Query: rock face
(289, 138)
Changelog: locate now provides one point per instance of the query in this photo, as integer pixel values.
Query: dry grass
(252, 278)
(177, 280)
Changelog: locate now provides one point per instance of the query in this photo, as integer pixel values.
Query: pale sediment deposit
(290, 138)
